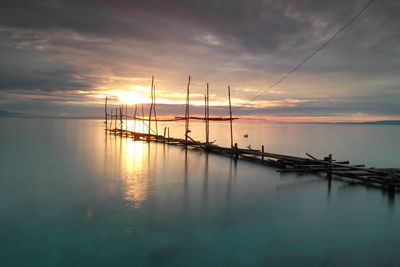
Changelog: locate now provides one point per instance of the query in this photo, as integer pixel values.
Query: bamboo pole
(105, 112)
(230, 114)
(151, 105)
(154, 107)
(126, 116)
(208, 116)
(187, 110)
(142, 118)
(134, 117)
(236, 148)
(205, 116)
(111, 121)
(116, 117)
(262, 150)
(120, 120)
(330, 166)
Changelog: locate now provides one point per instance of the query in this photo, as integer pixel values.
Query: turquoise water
(72, 196)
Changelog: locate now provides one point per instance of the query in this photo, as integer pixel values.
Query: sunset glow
(132, 98)
(72, 69)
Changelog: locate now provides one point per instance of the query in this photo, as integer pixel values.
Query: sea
(72, 195)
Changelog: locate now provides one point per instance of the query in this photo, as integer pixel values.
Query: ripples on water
(72, 196)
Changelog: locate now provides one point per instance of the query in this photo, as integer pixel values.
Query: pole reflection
(228, 207)
(186, 181)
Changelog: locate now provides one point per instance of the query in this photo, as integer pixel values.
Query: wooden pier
(386, 178)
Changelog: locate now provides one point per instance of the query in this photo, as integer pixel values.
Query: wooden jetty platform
(386, 178)
(376, 177)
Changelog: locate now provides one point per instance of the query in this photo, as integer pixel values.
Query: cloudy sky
(61, 57)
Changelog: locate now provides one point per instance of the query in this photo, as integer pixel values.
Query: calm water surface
(72, 196)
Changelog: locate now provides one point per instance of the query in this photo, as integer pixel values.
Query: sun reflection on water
(135, 126)
(136, 178)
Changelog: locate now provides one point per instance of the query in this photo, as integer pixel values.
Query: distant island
(11, 114)
(385, 122)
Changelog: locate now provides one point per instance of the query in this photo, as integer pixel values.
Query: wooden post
(208, 116)
(105, 112)
(230, 114)
(142, 118)
(116, 117)
(111, 121)
(126, 116)
(262, 150)
(134, 117)
(165, 131)
(330, 166)
(151, 105)
(120, 120)
(168, 134)
(187, 113)
(205, 115)
(154, 108)
(236, 147)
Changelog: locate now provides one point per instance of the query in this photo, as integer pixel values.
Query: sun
(130, 98)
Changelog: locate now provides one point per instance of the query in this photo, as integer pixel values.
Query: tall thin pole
(154, 107)
(230, 114)
(208, 116)
(134, 117)
(205, 114)
(111, 121)
(126, 116)
(187, 111)
(120, 120)
(116, 117)
(105, 111)
(151, 105)
(142, 118)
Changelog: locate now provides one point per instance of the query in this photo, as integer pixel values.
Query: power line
(310, 56)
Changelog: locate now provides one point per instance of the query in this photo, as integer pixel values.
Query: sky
(62, 57)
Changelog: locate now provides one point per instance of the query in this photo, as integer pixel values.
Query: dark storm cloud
(58, 45)
(257, 25)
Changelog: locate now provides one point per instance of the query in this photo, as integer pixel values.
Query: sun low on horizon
(136, 94)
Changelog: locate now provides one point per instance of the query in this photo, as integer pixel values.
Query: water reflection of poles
(391, 196)
(329, 187)
(151, 203)
(186, 206)
(205, 185)
(164, 156)
(228, 194)
(111, 121)
(186, 177)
